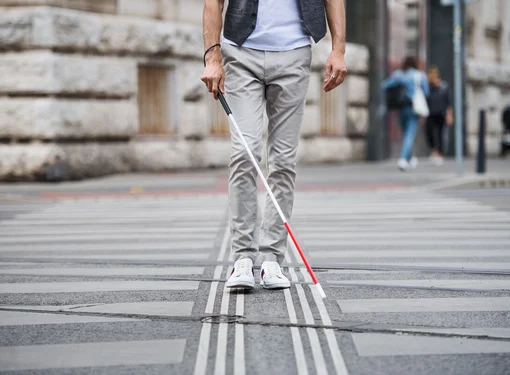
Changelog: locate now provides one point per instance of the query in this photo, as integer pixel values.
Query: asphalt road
(104, 277)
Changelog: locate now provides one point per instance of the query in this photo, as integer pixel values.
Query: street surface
(125, 275)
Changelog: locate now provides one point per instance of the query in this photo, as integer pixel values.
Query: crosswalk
(123, 286)
(428, 272)
(426, 228)
(108, 264)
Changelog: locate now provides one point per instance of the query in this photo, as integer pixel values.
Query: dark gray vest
(241, 19)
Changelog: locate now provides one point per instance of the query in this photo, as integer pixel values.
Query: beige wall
(70, 92)
(102, 6)
(172, 10)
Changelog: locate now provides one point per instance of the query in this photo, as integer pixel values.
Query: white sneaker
(242, 275)
(413, 163)
(438, 161)
(271, 276)
(403, 165)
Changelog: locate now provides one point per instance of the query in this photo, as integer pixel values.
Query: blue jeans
(409, 124)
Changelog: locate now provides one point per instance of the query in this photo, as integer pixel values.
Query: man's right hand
(214, 74)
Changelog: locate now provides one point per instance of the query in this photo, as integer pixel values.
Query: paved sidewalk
(125, 275)
(348, 177)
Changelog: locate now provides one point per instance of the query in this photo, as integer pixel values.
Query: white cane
(271, 195)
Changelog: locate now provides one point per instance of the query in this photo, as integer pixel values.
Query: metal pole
(481, 161)
(382, 69)
(458, 60)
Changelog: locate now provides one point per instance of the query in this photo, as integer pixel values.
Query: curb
(494, 183)
(471, 182)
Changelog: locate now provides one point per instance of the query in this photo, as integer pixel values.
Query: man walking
(262, 63)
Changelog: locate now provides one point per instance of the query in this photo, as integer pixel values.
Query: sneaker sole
(241, 284)
(275, 286)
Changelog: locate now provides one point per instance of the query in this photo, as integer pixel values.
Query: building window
(154, 104)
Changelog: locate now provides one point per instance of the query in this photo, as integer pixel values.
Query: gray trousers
(277, 82)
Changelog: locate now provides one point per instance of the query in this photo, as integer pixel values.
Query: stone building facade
(93, 87)
(487, 70)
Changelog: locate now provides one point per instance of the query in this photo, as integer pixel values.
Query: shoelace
(272, 270)
(243, 265)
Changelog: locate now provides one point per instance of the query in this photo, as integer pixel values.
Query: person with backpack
(441, 113)
(406, 90)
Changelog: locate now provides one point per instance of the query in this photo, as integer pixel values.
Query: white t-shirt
(279, 27)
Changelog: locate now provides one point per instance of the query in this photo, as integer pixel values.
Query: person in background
(440, 114)
(408, 78)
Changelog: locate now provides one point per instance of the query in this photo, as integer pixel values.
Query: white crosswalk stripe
(467, 266)
(106, 246)
(181, 237)
(425, 304)
(443, 253)
(158, 308)
(51, 242)
(102, 354)
(375, 345)
(96, 286)
(20, 318)
(95, 230)
(432, 247)
(454, 284)
(104, 271)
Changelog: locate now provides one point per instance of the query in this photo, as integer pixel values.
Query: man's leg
(244, 91)
(287, 79)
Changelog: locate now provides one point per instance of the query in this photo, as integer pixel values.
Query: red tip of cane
(303, 257)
